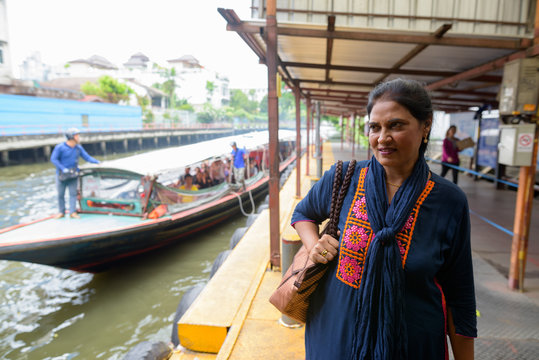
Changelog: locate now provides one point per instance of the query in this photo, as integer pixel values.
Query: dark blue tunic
(436, 253)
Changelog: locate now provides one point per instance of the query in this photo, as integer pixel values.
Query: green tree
(209, 114)
(169, 85)
(264, 104)
(239, 100)
(108, 88)
(147, 114)
(210, 88)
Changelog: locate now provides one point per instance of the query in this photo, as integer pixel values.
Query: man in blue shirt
(65, 157)
(238, 163)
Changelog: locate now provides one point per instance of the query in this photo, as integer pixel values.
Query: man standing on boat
(238, 163)
(65, 157)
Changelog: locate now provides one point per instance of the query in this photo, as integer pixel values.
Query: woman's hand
(324, 250)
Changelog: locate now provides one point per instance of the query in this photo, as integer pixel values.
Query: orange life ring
(158, 212)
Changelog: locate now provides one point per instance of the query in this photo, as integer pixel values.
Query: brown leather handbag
(302, 277)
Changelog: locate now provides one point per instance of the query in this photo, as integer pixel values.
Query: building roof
(337, 64)
(188, 59)
(137, 60)
(97, 62)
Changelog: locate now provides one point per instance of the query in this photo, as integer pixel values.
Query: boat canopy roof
(165, 160)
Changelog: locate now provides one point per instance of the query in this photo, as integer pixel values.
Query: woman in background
(450, 153)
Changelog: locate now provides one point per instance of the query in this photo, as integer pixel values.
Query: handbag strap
(340, 188)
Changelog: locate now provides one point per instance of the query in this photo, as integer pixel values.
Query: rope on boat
(241, 205)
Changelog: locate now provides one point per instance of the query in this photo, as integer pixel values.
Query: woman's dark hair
(408, 93)
(451, 127)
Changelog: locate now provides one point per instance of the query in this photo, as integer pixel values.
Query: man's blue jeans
(61, 186)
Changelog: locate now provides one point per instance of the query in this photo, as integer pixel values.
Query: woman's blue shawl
(381, 328)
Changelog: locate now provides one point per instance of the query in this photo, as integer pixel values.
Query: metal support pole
(318, 143)
(291, 244)
(353, 134)
(298, 141)
(341, 123)
(309, 114)
(523, 210)
(521, 227)
(273, 127)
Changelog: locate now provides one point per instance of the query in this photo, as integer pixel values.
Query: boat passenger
(207, 175)
(253, 168)
(188, 185)
(200, 179)
(181, 179)
(217, 172)
(238, 162)
(65, 157)
(399, 276)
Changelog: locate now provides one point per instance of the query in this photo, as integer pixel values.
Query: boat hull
(98, 251)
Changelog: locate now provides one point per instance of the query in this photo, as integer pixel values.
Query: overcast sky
(64, 30)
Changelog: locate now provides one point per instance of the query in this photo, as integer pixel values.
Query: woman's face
(395, 135)
(452, 131)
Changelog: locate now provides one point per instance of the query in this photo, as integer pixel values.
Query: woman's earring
(425, 140)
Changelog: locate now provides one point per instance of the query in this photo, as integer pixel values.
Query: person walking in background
(238, 163)
(450, 153)
(65, 158)
(400, 276)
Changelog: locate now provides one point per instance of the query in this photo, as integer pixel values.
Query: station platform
(508, 320)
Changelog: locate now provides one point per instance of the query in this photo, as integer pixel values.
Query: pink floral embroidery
(359, 209)
(355, 238)
(349, 269)
(409, 222)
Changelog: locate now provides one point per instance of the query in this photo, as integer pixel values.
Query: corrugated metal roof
(457, 48)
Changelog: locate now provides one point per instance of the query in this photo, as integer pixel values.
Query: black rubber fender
(250, 219)
(236, 237)
(148, 350)
(187, 299)
(219, 260)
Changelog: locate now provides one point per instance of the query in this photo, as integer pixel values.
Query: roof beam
(369, 69)
(331, 82)
(389, 36)
(407, 17)
(415, 51)
(488, 78)
(329, 44)
(309, 89)
(466, 92)
(483, 69)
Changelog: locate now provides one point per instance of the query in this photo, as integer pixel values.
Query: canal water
(49, 313)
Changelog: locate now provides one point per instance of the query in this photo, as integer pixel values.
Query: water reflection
(37, 302)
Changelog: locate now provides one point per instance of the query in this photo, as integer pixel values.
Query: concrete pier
(249, 325)
(28, 149)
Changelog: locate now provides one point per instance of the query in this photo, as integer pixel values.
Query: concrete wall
(27, 115)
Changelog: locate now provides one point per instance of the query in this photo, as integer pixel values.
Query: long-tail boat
(133, 205)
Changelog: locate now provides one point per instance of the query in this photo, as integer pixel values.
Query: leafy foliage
(108, 88)
(239, 100)
(209, 114)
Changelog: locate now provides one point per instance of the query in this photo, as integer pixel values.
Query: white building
(5, 63)
(95, 65)
(199, 85)
(32, 68)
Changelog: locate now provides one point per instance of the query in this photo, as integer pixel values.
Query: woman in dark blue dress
(400, 277)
